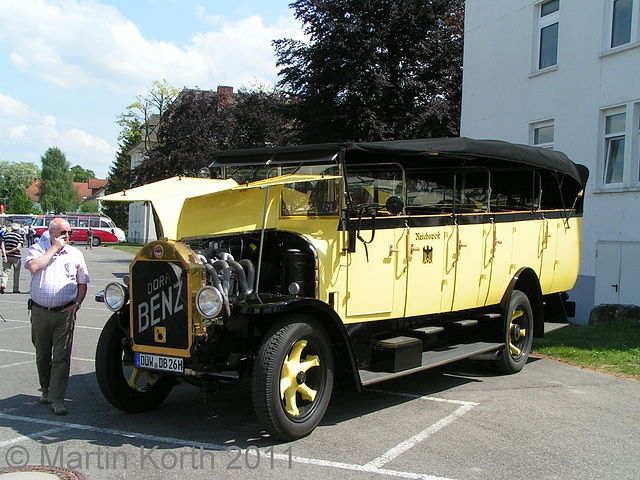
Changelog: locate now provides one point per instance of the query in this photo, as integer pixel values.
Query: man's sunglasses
(64, 232)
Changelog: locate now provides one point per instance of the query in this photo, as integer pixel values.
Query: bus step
(464, 323)
(396, 354)
(431, 359)
(488, 316)
(552, 327)
(426, 330)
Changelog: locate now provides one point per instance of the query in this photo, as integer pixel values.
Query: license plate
(160, 362)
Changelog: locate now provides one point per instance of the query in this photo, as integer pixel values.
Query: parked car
(104, 230)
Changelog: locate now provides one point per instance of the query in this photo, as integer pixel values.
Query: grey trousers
(12, 262)
(52, 335)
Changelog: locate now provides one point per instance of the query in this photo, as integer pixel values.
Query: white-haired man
(58, 287)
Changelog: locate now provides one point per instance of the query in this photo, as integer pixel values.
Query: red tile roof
(87, 190)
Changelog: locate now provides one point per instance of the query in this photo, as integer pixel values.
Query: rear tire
(293, 377)
(96, 241)
(126, 387)
(518, 334)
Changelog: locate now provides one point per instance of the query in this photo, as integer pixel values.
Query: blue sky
(68, 68)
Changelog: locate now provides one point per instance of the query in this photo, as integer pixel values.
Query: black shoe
(1, 289)
(58, 408)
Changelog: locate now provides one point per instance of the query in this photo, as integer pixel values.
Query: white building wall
(141, 224)
(504, 94)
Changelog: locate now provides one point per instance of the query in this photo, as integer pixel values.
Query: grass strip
(612, 347)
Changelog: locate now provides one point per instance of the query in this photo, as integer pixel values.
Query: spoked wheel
(125, 386)
(519, 334)
(293, 377)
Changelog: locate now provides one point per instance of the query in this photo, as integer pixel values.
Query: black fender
(526, 280)
(270, 307)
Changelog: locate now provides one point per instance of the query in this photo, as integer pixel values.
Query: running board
(431, 359)
(552, 327)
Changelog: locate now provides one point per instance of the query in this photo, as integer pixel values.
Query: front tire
(293, 377)
(125, 386)
(518, 334)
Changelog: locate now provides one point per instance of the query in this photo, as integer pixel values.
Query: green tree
(375, 69)
(144, 115)
(57, 193)
(15, 178)
(81, 175)
(20, 202)
(89, 207)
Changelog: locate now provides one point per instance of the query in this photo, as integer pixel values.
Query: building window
(548, 34)
(543, 135)
(621, 22)
(614, 148)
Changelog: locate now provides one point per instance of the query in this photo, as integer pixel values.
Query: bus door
(465, 239)
(547, 244)
(497, 244)
(376, 265)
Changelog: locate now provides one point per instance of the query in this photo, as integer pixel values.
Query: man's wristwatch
(77, 305)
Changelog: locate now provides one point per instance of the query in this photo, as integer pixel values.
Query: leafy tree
(20, 202)
(200, 123)
(89, 207)
(142, 116)
(57, 193)
(15, 178)
(81, 175)
(375, 69)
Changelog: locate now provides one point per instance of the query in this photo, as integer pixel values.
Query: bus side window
(84, 223)
(95, 223)
(104, 224)
(73, 223)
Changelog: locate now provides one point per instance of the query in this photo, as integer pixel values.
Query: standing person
(89, 239)
(31, 235)
(11, 243)
(58, 287)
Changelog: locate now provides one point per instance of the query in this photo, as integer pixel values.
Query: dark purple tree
(375, 69)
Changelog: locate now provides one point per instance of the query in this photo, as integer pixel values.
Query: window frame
(543, 22)
(537, 126)
(634, 40)
(631, 156)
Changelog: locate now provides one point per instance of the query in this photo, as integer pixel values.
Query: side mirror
(394, 204)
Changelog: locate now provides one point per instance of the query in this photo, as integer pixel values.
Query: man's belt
(51, 309)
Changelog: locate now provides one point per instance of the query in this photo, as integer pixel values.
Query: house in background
(565, 74)
(141, 228)
(88, 191)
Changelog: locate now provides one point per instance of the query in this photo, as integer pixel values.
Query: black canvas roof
(458, 148)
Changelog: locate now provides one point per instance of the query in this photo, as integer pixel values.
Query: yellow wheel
(293, 377)
(518, 334)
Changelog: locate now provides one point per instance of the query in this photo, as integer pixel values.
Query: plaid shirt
(57, 284)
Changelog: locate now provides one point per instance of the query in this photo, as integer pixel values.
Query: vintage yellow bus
(295, 267)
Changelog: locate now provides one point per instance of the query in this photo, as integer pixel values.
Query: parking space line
(28, 322)
(368, 468)
(80, 359)
(408, 444)
(14, 328)
(22, 438)
(16, 364)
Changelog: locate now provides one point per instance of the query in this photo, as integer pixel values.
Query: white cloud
(40, 132)
(73, 44)
(12, 109)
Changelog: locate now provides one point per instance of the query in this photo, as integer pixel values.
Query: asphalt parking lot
(460, 422)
